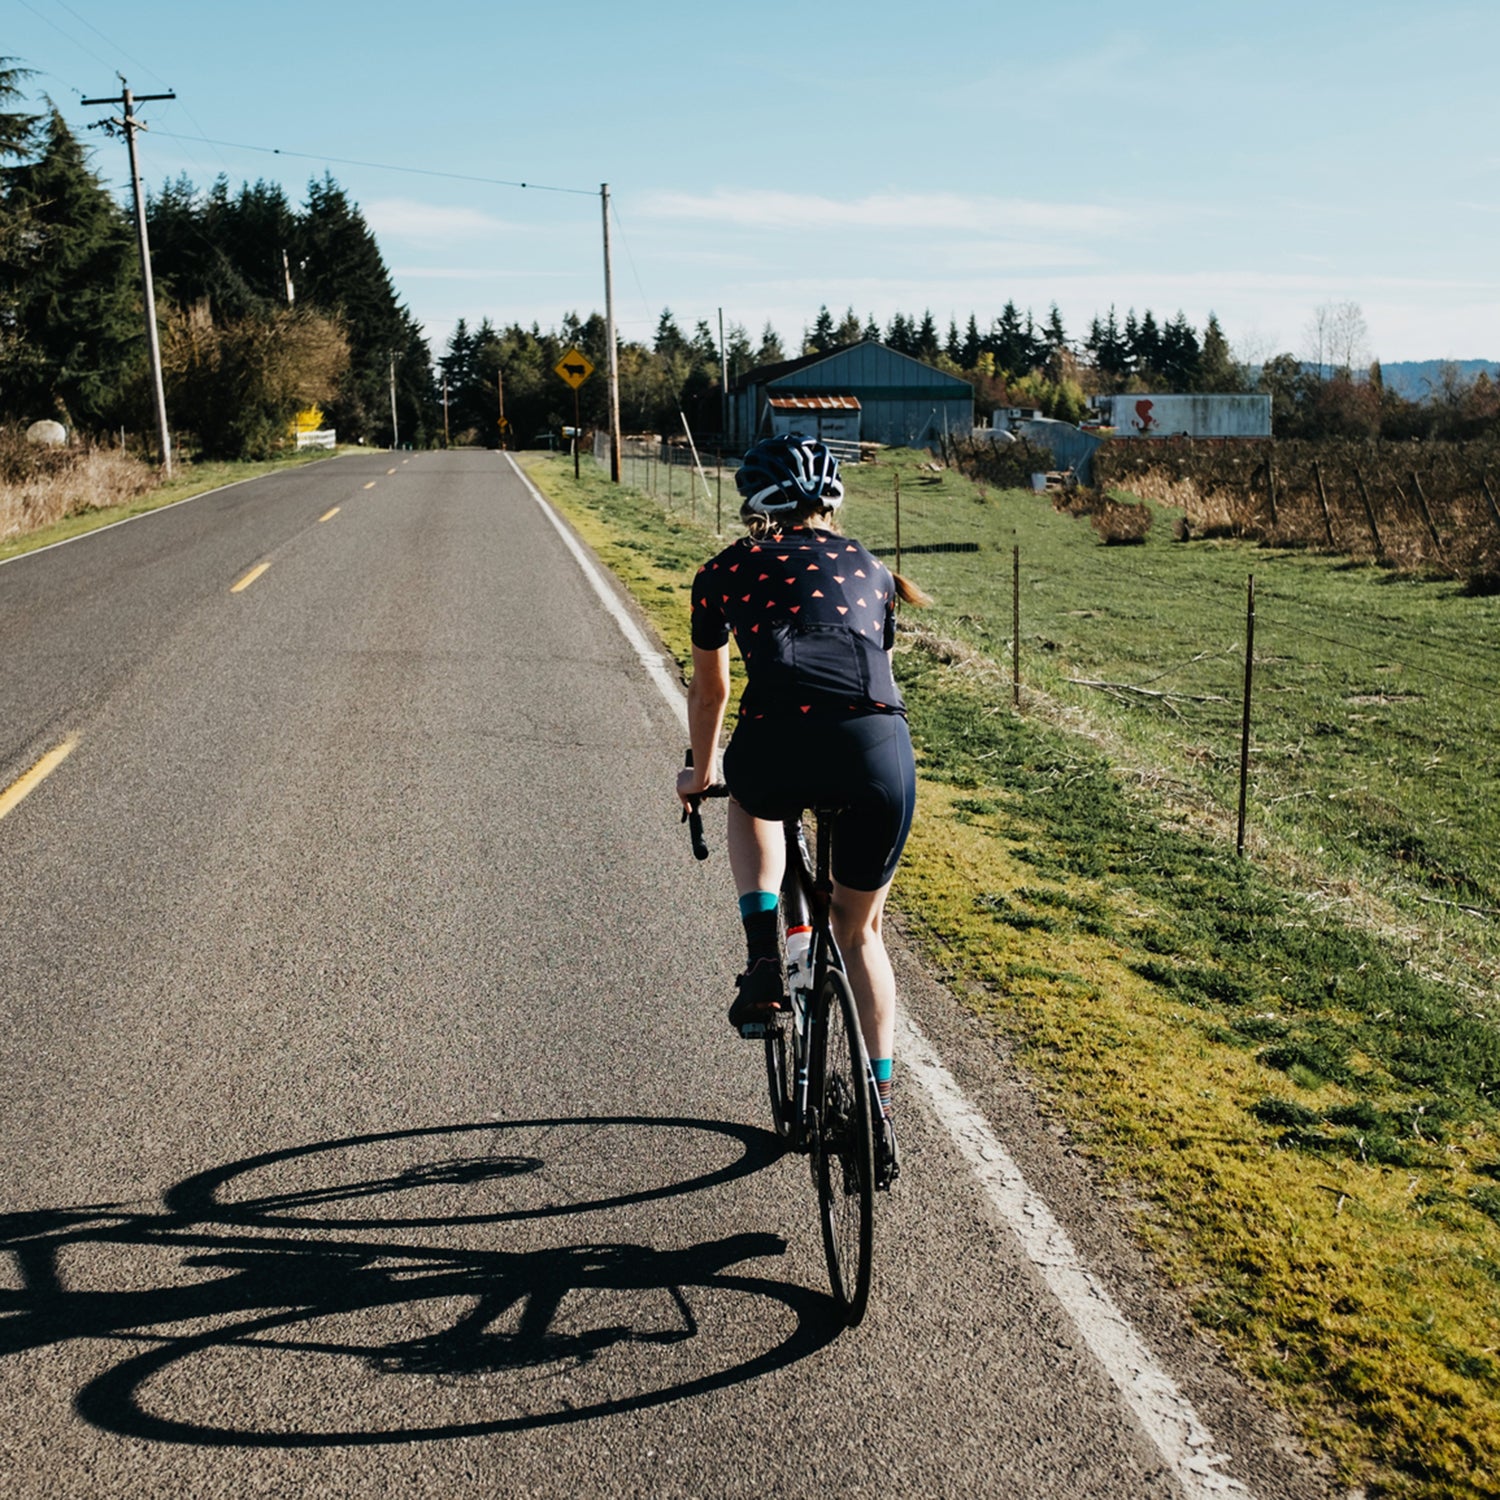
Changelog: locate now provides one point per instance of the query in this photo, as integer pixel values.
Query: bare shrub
(1121, 524)
(40, 486)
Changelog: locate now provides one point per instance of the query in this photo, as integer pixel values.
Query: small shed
(835, 419)
(898, 400)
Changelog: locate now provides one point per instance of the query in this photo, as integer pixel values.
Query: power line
(380, 166)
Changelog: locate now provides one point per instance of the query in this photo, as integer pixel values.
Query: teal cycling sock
(881, 1068)
(758, 913)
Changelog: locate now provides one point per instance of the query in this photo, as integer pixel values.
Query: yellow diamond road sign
(574, 367)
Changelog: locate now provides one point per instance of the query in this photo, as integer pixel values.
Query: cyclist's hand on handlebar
(692, 784)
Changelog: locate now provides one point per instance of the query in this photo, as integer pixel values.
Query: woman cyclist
(821, 723)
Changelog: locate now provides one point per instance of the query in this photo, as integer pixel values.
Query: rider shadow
(367, 1304)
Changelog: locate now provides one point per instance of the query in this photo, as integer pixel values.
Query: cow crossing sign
(574, 367)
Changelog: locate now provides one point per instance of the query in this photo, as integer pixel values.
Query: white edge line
(1165, 1414)
(155, 510)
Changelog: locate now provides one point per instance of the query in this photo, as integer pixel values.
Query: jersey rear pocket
(815, 663)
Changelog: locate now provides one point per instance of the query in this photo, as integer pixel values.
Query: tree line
(266, 308)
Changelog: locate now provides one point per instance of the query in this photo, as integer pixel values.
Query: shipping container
(1199, 416)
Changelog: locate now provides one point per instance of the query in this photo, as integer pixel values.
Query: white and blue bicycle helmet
(780, 474)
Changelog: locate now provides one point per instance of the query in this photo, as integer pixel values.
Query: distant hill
(1416, 379)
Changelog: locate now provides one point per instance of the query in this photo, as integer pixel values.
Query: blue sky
(1254, 161)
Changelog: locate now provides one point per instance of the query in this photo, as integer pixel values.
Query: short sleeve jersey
(813, 614)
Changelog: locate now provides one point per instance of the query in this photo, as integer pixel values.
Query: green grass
(190, 480)
(1305, 1120)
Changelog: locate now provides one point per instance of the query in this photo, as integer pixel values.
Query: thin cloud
(409, 219)
(919, 212)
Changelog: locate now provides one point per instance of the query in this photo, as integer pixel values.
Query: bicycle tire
(845, 1165)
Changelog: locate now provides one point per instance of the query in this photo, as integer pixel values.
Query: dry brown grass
(41, 486)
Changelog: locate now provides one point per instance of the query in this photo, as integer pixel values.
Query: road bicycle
(824, 1101)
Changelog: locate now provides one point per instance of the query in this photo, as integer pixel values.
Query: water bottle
(798, 968)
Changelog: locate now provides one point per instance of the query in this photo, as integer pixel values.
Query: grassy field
(1285, 1065)
(190, 480)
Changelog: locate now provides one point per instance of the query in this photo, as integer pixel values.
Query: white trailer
(1199, 416)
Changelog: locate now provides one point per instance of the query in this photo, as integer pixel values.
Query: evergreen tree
(77, 345)
(669, 339)
(1180, 359)
(1009, 342)
(901, 335)
(738, 349)
(926, 339)
(849, 331)
(1054, 334)
(343, 273)
(1107, 346)
(1217, 369)
(820, 340)
(1146, 351)
(770, 351)
(17, 129)
(872, 330)
(973, 345)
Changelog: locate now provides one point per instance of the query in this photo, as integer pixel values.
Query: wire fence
(1374, 740)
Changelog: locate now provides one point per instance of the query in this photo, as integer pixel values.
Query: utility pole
(128, 126)
(445, 410)
(723, 388)
(609, 337)
(395, 435)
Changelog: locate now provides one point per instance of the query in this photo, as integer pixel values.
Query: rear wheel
(845, 1165)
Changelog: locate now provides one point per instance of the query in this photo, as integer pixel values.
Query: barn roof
(865, 364)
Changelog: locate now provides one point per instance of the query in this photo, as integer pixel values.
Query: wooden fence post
(1239, 841)
(1432, 530)
(1323, 501)
(1271, 490)
(1489, 494)
(896, 475)
(1364, 497)
(1015, 628)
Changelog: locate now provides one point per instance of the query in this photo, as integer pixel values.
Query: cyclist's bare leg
(856, 921)
(757, 851)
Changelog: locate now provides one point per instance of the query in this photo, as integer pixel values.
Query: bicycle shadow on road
(272, 1291)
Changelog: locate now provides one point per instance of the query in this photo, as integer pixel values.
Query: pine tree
(973, 345)
(1054, 333)
(17, 129)
(820, 340)
(926, 339)
(872, 330)
(77, 343)
(1217, 369)
(343, 273)
(849, 331)
(771, 351)
(669, 339)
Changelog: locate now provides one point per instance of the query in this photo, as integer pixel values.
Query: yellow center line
(36, 775)
(249, 578)
(370, 485)
(328, 515)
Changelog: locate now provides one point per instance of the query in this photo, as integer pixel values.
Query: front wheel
(845, 1161)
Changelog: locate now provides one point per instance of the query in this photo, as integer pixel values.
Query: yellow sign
(574, 367)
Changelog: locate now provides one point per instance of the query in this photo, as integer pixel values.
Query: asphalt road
(368, 1119)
